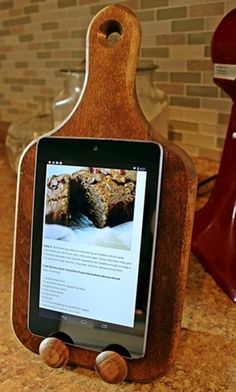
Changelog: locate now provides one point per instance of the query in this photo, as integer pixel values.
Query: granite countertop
(206, 360)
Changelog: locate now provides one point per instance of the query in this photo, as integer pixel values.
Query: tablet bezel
(106, 153)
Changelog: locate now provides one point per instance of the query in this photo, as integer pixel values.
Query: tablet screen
(93, 225)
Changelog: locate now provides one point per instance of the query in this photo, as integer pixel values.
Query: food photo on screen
(93, 206)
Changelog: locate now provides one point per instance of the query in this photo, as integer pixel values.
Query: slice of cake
(105, 197)
(57, 199)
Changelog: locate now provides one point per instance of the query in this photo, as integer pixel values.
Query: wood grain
(111, 367)
(109, 108)
(54, 352)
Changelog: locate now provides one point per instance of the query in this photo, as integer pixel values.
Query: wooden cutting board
(108, 107)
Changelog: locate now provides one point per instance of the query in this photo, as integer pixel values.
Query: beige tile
(160, 77)
(66, 3)
(69, 63)
(61, 54)
(200, 140)
(202, 91)
(62, 34)
(46, 91)
(52, 63)
(155, 52)
(184, 126)
(211, 22)
(202, 115)
(4, 32)
(49, 25)
(207, 51)
(35, 46)
(47, 6)
(148, 40)
(172, 13)
(185, 77)
(172, 88)
(160, 27)
(6, 5)
(169, 64)
(94, 9)
(78, 54)
(176, 113)
(199, 65)
(17, 88)
(32, 105)
(220, 143)
(44, 55)
(213, 8)
(199, 38)
(182, 69)
(15, 12)
(184, 101)
(21, 64)
(40, 98)
(153, 3)
(207, 77)
(187, 25)
(217, 104)
(86, 2)
(48, 17)
(29, 73)
(171, 39)
(16, 30)
(187, 52)
(76, 44)
(31, 9)
(38, 82)
(16, 21)
(52, 45)
(223, 118)
(77, 12)
(145, 15)
(223, 94)
(172, 135)
(229, 4)
(212, 129)
(72, 24)
(26, 37)
(180, 2)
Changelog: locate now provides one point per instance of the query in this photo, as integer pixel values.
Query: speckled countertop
(206, 360)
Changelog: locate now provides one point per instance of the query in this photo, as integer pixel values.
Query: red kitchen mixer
(214, 234)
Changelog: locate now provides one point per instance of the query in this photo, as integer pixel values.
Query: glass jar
(21, 133)
(152, 100)
(65, 101)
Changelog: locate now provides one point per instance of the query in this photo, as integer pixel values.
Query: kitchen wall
(38, 37)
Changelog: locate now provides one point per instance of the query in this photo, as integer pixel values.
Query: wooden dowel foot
(54, 352)
(111, 367)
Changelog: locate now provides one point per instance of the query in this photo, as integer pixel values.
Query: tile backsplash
(38, 37)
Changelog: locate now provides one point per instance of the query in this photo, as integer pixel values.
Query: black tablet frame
(104, 153)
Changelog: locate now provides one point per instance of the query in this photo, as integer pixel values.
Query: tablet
(94, 238)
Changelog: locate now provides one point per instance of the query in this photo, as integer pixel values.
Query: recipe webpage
(92, 231)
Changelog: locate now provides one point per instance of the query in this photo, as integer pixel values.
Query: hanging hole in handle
(111, 31)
